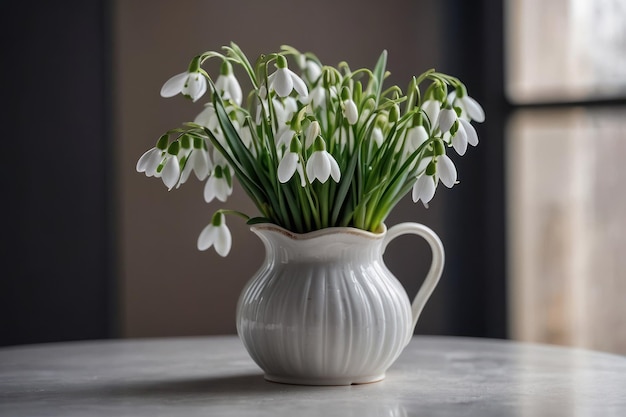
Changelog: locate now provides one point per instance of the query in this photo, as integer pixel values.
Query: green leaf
(258, 220)
(379, 73)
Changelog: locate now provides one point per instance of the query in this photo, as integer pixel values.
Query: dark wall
(58, 280)
(475, 209)
(55, 279)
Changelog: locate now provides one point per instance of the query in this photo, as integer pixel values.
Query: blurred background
(534, 233)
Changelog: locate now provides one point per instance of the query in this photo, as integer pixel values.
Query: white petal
(432, 108)
(377, 136)
(281, 82)
(301, 174)
(312, 70)
(446, 170)
(298, 84)
(335, 172)
(351, 112)
(318, 166)
(223, 240)
(424, 189)
(143, 161)
(200, 163)
(459, 141)
(446, 119)
(207, 237)
(472, 136)
(229, 86)
(174, 85)
(222, 190)
(209, 189)
(312, 132)
(207, 117)
(287, 167)
(285, 134)
(416, 136)
(196, 86)
(474, 109)
(184, 176)
(153, 163)
(171, 172)
(235, 90)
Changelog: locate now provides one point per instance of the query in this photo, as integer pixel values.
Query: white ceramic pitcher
(324, 309)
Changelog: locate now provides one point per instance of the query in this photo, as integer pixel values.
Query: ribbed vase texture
(323, 309)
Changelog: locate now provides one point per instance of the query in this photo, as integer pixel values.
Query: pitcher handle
(436, 266)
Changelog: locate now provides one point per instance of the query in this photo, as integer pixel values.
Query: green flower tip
(194, 65)
(439, 149)
(431, 169)
(281, 62)
(162, 142)
(174, 148)
(319, 144)
(198, 143)
(217, 219)
(295, 146)
(226, 68)
(185, 141)
(345, 93)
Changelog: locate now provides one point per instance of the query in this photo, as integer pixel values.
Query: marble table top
(214, 376)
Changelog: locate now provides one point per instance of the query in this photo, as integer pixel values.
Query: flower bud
(394, 113)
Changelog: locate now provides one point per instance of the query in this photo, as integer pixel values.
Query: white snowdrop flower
(446, 170)
(311, 69)
(228, 85)
(446, 119)
(190, 84)
(288, 166)
(198, 162)
(459, 140)
(246, 136)
(432, 108)
(472, 136)
(377, 136)
(208, 118)
(350, 111)
(321, 164)
(424, 189)
(284, 136)
(216, 234)
(415, 137)
(470, 108)
(284, 81)
(149, 162)
(171, 171)
(219, 185)
(312, 132)
(285, 109)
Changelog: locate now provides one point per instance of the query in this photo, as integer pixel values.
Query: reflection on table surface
(215, 376)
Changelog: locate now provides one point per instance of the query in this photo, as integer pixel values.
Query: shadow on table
(234, 384)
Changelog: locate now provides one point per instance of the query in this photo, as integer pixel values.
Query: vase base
(294, 380)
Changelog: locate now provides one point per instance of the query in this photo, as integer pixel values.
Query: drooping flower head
(190, 83)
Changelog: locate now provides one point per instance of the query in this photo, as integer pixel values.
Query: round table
(214, 376)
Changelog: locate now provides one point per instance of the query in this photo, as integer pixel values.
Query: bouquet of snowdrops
(317, 147)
